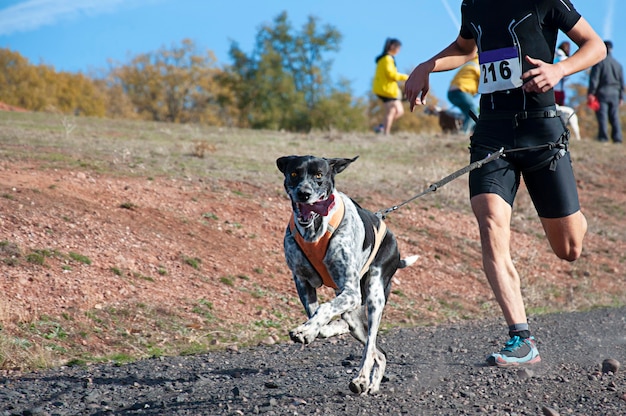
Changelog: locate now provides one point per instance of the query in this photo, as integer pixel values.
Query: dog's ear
(282, 162)
(338, 165)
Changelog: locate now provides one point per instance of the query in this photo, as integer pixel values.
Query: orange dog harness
(315, 251)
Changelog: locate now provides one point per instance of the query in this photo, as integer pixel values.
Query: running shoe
(517, 351)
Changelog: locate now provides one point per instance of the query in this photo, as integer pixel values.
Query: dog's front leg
(348, 299)
(307, 295)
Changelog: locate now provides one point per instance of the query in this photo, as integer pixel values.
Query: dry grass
(389, 168)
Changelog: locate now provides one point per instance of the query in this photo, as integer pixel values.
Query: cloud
(32, 14)
(453, 17)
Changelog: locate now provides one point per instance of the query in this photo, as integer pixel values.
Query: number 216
(504, 70)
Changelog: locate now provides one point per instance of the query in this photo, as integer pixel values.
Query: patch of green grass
(268, 323)
(9, 249)
(194, 349)
(193, 262)
(227, 280)
(257, 292)
(116, 271)
(155, 352)
(143, 277)
(204, 308)
(210, 216)
(56, 332)
(79, 258)
(36, 258)
(121, 358)
(76, 362)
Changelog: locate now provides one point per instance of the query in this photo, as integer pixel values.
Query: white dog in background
(570, 119)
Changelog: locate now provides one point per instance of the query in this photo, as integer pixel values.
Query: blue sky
(82, 35)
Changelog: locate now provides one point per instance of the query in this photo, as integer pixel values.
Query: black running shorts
(553, 192)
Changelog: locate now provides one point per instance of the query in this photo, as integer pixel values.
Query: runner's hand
(541, 78)
(417, 86)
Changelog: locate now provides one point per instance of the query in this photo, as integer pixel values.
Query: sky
(84, 35)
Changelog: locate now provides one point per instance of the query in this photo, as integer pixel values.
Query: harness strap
(562, 143)
(521, 115)
(379, 235)
(315, 251)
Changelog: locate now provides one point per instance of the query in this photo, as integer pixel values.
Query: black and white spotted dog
(332, 241)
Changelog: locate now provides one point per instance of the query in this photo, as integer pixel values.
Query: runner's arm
(591, 50)
(456, 54)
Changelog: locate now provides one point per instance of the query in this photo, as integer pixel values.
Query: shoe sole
(493, 361)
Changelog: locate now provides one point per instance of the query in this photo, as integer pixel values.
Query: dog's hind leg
(373, 362)
(356, 323)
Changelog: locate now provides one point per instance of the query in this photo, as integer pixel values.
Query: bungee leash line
(432, 188)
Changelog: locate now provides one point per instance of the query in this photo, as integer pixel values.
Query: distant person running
(463, 88)
(385, 84)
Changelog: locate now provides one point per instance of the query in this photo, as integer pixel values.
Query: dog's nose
(304, 194)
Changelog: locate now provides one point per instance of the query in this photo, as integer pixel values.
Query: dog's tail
(407, 261)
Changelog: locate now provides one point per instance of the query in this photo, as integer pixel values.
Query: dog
(332, 241)
(570, 119)
(449, 121)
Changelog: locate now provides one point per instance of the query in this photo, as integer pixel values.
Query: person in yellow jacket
(463, 88)
(385, 84)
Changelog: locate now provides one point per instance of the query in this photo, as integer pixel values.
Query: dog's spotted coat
(360, 300)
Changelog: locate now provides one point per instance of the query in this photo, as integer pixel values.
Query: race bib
(500, 70)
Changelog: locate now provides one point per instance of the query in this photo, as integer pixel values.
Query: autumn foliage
(284, 83)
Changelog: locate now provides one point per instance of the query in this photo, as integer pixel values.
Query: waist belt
(521, 115)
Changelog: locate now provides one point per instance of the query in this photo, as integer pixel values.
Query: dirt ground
(96, 264)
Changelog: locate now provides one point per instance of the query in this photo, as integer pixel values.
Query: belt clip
(519, 116)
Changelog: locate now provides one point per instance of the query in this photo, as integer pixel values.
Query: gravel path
(431, 371)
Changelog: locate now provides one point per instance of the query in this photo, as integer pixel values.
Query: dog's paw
(359, 385)
(303, 334)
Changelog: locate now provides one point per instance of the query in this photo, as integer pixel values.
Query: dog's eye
(294, 174)
(318, 175)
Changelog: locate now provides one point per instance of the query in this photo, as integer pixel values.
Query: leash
(560, 144)
(432, 188)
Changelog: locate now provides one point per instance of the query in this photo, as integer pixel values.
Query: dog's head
(310, 182)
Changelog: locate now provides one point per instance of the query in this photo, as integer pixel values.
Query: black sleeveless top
(505, 32)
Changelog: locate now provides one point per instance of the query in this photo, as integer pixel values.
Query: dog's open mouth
(308, 212)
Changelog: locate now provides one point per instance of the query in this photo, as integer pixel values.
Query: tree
(284, 83)
(175, 84)
(41, 88)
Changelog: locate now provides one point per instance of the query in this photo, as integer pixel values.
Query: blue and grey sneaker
(517, 351)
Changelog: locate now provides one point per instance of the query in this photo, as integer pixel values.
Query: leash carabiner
(432, 188)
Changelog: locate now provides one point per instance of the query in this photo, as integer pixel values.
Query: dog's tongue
(320, 207)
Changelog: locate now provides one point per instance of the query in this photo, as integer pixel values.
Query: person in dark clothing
(606, 85)
(516, 42)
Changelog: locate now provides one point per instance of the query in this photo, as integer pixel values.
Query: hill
(121, 239)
